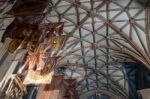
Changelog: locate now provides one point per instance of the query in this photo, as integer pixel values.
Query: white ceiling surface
(83, 61)
(86, 37)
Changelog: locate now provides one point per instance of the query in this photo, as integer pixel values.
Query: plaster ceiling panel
(76, 46)
(85, 3)
(116, 72)
(100, 52)
(102, 9)
(122, 82)
(99, 38)
(135, 12)
(101, 42)
(113, 6)
(77, 72)
(140, 24)
(122, 17)
(82, 16)
(70, 10)
(88, 25)
(68, 29)
(91, 79)
(102, 14)
(91, 62)
(86, 42)
(55, 1)
(81, 11)
(102, 30)
(88, 52)
(78, 53)
(101, 61)
(72, 17)
(98, 24)
(142, 36)
(52, 19)
(103, 80)
(60, 3)
(62, 9)
(85, 32)
(127, 30)
(92, 86)
(89, 20)
(88, 38)
(136, 38)
(141, 14)
(52, 13)
(114, 13)
(121, 3)
(121, 25)
(135, 4)
(97, 3)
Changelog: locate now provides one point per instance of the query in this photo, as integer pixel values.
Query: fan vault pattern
(102, 34)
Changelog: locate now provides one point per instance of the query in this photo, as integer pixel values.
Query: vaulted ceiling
(102, 35)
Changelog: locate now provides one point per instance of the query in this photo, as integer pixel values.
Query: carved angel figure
(39, 59)
(22, 27)
(55, 29)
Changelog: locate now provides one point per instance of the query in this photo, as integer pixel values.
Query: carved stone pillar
(14, 65)
(3, 50)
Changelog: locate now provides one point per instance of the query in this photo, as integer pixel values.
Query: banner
(70, 89)
(55, 29)
(50, 65)
(28, 7)
(58, 89)
(34, 19)
(57, 42)
(51, 91)
(22, 27)
(34, 40)
(34, 77)
(13, 45)
(14, 31)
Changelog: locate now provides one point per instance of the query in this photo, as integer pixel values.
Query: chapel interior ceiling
(102, 34)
